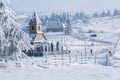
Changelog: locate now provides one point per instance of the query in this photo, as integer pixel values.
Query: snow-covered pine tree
(103, 14)
(86, 19)
(108, 13)
(12, 40)
(82, 15)
(95, 15)
(116, 12)
(68, 29)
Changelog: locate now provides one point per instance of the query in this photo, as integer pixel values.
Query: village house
(54, 26)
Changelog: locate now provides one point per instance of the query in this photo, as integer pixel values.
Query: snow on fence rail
(59, 60)
(67, 59)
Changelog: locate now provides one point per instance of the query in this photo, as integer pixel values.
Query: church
(39, 40)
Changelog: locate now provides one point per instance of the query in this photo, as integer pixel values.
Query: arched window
(38, 27)
(46, 49)
(38, 49)
(41, 49)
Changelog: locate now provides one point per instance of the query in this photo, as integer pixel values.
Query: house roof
(40, 37)
(55, 25)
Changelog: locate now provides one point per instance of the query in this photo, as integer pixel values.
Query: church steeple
(35, 24)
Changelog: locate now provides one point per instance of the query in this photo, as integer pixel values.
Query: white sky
(24, 6)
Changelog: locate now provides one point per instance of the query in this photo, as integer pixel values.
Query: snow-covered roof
(64, 25)
(39, 38)
(35, 19)
(55, 25)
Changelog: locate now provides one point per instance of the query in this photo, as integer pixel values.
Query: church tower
(35, 25)
(35, 30)
(38, 39)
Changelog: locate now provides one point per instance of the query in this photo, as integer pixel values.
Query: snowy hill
(107, 30)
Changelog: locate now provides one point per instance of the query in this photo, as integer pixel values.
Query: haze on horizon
(26, 6)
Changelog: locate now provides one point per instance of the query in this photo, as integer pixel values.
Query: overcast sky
(24, 6)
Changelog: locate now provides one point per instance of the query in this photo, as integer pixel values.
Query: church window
(41, 49)
(38, 49)
(38, 27)
(32, 27)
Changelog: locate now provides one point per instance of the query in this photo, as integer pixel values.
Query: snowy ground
(76, 69)
(28, 71)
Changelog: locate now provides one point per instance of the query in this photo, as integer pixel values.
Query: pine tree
(103, 14)
(82, 15)
(108, 13)
(12, 34)
(86, 19)
(116, 12)
(95, 15)
(68, 28)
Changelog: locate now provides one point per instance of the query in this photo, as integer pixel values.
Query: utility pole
(85, 48)
(115, 46)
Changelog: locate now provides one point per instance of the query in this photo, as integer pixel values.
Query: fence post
(62, 55)
(46, 61)
(108, 59)
(69, 55)
(76, 56)
(95, 59)
(54, 58)
(81, 58)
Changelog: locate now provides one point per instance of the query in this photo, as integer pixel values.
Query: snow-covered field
(57, 68)
(37, 69)
(91, 51)
(74, 71)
